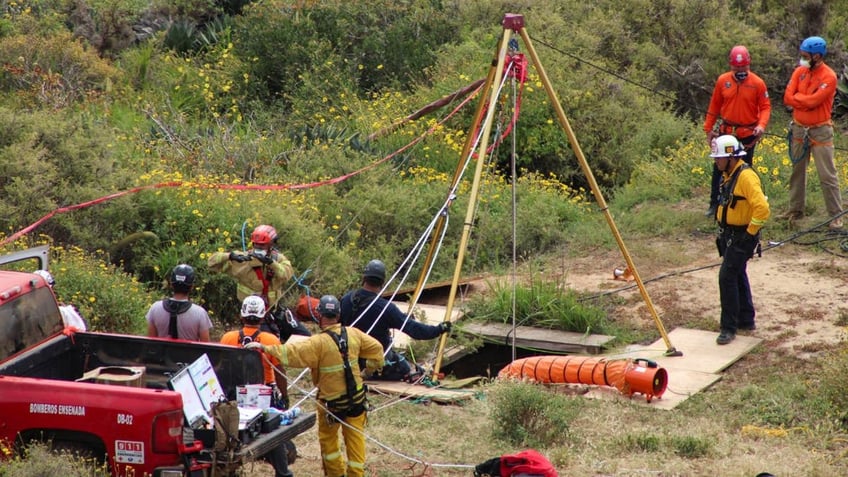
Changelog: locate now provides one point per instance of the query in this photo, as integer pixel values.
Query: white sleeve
(71, 317)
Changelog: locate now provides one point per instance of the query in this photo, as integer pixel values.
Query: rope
(243, 187)
(309, 395)
(833, 235)
(415, 253)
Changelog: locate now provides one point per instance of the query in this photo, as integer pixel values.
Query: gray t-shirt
(189, 323)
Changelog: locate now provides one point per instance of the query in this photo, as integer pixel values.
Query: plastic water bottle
(287, 417)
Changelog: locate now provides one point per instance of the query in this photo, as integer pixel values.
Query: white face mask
(259, 252)
(804, 62)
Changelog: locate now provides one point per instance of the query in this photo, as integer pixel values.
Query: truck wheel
(78, 450)
(291, 452)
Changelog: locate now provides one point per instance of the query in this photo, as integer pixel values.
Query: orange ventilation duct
(629, 376)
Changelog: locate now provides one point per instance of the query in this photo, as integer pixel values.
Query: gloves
(445, 327)
(278, 400)
(265, 259)
(255, 345)
(237, 257)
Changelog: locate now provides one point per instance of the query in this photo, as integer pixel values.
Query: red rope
(309, 185)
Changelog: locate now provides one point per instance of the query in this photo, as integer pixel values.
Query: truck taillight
(167, 432)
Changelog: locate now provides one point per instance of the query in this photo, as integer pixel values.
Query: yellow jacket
(277, 274)
(321, 355)
(754, 210)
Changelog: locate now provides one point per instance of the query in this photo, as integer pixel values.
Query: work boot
(725, 337)
(711, 211)
(835, 224)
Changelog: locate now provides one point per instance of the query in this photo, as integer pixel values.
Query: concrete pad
(418, 391)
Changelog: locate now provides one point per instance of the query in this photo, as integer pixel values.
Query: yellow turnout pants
(354, 440)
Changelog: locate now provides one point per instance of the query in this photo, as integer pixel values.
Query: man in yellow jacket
(262, 271)
(742, 211)
(333, 358)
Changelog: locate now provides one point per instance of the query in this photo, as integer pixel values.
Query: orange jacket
(738, 104)
(268, 339)
(810, 92)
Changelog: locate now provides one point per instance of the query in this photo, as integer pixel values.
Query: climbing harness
(353, 402)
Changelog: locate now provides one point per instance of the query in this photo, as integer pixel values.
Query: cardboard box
(132, 376)
(254, 396)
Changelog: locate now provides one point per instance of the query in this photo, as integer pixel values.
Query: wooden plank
(701, 353)
(462, 286)
(432, 315)
(418, 391)
(540, 338)
(695, 371)
(682, 384)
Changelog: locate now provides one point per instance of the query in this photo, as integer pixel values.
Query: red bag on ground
(304, 303)
(527, 463)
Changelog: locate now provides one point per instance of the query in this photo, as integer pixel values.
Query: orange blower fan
(629, 376)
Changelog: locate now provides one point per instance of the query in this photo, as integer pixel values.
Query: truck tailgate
(265, 442)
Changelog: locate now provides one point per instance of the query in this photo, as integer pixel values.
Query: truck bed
(68, 357)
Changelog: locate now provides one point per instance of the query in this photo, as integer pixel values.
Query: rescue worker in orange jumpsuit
(739, 106)
(333, 358)
(810, 95)
(742, 211)
(252, 314)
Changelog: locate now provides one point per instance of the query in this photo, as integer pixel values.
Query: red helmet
(263, 235)
(739, 56)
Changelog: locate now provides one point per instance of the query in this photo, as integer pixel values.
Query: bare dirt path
(800, 294)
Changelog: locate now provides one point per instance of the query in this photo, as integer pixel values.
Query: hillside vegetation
(159, 132)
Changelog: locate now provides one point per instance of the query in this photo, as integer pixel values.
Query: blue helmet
(814, 45)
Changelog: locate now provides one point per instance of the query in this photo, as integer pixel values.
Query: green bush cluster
(526, 415)
(691, 447)
(541, 303)
(38, 460)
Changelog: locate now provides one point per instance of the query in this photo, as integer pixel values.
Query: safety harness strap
(726, 197)
(350, 403)
(175, 307)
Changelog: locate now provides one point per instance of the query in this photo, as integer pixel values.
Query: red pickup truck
(136, 430)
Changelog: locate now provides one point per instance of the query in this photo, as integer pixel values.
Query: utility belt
(736, 129)
(731, 231)
(347, 406)
(813, 126)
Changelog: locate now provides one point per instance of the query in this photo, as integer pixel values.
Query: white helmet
(46, 276)
(253, 306)
(727, 146)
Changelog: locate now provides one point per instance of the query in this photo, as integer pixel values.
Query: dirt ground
(799, 292)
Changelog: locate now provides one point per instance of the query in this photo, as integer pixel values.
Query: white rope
(318, 403)
(415, 253)
(514, 216)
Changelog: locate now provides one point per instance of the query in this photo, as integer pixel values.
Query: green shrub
(540, 303)
(107, 298)
(642, 442)
(52, 71)
(691, 447)
(525, 414)
(50, 160)
(831, 387)
(38, 460)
